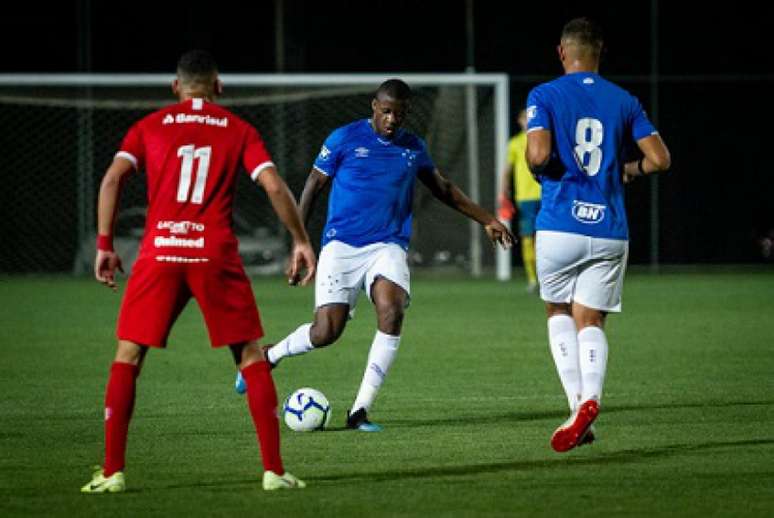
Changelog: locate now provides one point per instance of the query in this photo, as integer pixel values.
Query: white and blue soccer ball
(306, 410)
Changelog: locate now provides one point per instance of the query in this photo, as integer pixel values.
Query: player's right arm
(107, 261)
(540, 155)
(315, 183)
(324, 168)
(285, 206)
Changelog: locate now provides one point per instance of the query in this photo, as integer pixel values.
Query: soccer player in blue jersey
(371, 166)
(577, 128)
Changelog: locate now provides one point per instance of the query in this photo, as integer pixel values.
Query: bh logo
(589, 213)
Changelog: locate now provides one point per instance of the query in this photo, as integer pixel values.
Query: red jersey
(191, 152)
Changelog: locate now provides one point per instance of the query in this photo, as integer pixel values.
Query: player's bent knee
(130, 352)
(554, 309)
(590, 318)
(323, 336)
(329, 324)
(248, 353)
(390, 318)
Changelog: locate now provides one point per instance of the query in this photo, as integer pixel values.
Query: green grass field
(687, 425)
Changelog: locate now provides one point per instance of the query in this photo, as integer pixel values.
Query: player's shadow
(481, 419)
(630, 456)
(559, 462)
(562, 414)
(683, 405)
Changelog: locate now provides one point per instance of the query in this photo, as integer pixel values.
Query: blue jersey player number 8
(588, 136)
(577, 127)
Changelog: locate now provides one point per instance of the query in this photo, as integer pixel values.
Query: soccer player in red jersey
(191, 152)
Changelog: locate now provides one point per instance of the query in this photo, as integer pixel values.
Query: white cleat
(272, 481)
(115, 483)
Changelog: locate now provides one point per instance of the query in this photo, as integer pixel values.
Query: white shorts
(583, 269)
(344, 270)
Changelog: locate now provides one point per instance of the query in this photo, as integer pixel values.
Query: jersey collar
(383, 141)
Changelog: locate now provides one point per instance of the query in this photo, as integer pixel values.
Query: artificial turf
(468, 408)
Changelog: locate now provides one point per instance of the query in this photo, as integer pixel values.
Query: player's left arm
(107, 260)
(656, 156)
(655, 159)
(285, 206)
(445, 190)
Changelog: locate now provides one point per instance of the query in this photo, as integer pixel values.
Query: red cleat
(573, 432)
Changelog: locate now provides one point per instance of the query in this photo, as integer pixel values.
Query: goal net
(60, 133)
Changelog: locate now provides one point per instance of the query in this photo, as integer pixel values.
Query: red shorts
(158, 290)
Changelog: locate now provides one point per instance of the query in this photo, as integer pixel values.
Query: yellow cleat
(115, 483)
(272, 481)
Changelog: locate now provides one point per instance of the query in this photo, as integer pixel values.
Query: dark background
(715, 77)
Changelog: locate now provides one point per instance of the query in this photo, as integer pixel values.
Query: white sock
(297, 342)
(383, 351)
(592, 345)
(563, 340)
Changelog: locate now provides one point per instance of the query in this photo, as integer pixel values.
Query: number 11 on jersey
(189, 153)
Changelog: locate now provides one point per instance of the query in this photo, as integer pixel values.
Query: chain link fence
(58, 141)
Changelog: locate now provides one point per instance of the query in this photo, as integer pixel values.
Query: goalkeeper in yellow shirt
(527, 195)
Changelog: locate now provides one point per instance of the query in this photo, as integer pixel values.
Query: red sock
(119, 403)
(262, 400)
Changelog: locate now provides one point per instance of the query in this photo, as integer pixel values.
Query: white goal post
(86, 98)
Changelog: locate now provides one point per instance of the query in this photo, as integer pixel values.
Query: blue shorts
(528, 211)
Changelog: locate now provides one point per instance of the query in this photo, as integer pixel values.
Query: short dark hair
(394, 88)
(197, 66)
(585, 32)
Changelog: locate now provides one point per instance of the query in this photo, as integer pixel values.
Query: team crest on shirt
(325, 153)
(361, 152)
(588, 213)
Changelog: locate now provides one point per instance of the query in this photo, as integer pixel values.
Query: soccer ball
(306, 410)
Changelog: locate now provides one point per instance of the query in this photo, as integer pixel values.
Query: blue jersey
(373, 184)
(590, 120)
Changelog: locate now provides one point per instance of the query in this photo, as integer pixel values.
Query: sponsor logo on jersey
(180, 227)
(361, 152)
(176, 259)
(187, 118)
(177, 242)
(589, 213)
(531, 112)
(325, 153)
